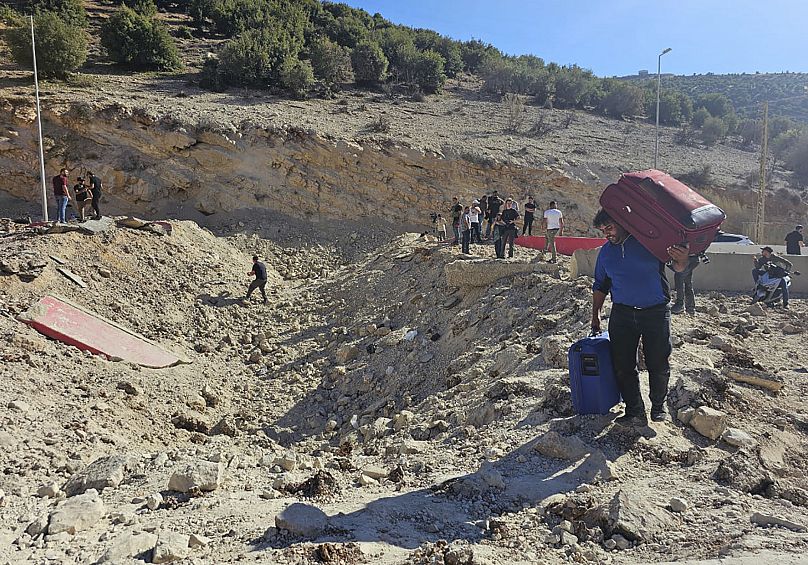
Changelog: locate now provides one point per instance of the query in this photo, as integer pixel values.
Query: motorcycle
(768, 289)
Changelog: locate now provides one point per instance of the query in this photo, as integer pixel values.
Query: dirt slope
(407, 411)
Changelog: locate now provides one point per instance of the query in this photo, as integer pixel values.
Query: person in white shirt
(475, 213)
(553, 225)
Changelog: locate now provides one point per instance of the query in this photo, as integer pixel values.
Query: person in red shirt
(62, 195)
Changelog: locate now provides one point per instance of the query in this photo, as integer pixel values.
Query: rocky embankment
(398, 409)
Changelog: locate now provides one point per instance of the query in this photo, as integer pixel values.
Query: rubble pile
(409, 405)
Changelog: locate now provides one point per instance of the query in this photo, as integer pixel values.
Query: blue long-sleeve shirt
(631, 274)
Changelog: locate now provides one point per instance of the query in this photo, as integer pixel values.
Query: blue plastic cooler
(592, 384)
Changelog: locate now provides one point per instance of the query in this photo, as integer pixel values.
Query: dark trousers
(466, 240)
(527, 228)
(499, 246)
(259, 284)
(685, 297)
(96, 207)
(489, 226)
(476, 236)
(627, 326)
(784, 288)
(510, 235)
(456, 231)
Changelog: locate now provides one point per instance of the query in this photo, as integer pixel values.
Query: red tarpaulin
(73, 325)
(564, 245)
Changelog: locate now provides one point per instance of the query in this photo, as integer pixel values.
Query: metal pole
(39, 128)
(658, 82)
(760, 223)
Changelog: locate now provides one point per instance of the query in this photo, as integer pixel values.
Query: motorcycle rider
(769, 256)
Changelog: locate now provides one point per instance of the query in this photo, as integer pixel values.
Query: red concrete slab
(564, 245)
(70, 323)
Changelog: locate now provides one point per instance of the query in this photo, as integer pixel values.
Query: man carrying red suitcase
(636, 280)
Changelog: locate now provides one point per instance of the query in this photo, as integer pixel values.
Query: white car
(735, 238)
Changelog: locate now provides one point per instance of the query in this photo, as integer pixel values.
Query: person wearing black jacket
(95, 190)
(509, 216)
(494, 205)
(260, 272)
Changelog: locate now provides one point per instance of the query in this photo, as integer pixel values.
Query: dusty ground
(428, 423)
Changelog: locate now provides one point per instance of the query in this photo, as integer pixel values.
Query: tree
(369, 63)
(330, 62)
(298, 77)
(139, 42)
(797, 160)
(429, 73)
(572, 85)
(475, 54)
(717, 104)
(146, 8)
(700, 116)
(71, 12)
(713, 130)
(621, 99)
(60, 47)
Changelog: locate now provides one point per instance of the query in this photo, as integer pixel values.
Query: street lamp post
(658, 82)
(39, 129)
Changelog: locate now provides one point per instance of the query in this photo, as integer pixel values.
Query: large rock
(303, 520)
(77, 513)
(554, 445)
(737, 438)
(130, 545)
(202, 475)
(709, 422)
(636, 518)
(171, 546)
(107, 472)
(483, 272)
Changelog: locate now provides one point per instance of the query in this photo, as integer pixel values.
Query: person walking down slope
(260, 272)
(636, 280)
(62, 195)
(95, 190)
(553, 224)
(794, 241)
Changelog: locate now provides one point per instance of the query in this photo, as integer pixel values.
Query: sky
(620, 37)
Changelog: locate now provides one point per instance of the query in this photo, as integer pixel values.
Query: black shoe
(678, 309)
(660, 416)
(631, 421)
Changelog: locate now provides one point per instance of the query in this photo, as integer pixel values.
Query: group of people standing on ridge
(85, 194)
(500, 218)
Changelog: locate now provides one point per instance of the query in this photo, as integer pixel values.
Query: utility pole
(760, 220)
(658, 83)
(39, 128)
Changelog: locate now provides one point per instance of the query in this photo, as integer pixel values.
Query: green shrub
(10, 17)
(146, 8)
(476, 54)
(210, 77)
(298, 77)
(428, 71)
(621, 99)
(258, 57)
(139, 42)
(700, 116)
(60, 48)
(573, 85)
(71, 12)
(797, 160)
(369, 63)
(699, 177)
(713, 130)
(330, 62)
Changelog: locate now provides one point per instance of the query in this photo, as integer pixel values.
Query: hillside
(785, 92)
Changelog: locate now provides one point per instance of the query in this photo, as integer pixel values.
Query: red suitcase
(660, 211)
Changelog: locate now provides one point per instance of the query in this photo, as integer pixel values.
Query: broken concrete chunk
(76, 514)
(709, 422)
(171, 546)
(202, 475)
(552, 444)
